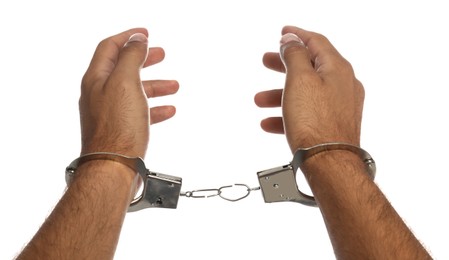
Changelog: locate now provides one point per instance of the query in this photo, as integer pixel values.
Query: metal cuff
(279, 184)
(159, 190)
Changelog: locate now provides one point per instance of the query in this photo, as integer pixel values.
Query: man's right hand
(322, 100)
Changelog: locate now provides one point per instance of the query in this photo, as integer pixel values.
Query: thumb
(295, 55)
(133, 54)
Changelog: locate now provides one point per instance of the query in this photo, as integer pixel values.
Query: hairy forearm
(86, 222)
(361, 222)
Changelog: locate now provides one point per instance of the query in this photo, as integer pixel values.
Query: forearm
(361, 222)
(86, 222)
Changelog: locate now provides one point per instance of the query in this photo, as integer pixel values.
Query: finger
(161, 113)
(321, 50)
(106, 56)
(269, 98)
(155, 55)
(273, 125)
(272, 61)
(295, 55)
(317, 43)
(131, 58)
(159, 88)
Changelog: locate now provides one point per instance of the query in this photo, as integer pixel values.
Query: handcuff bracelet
(277, 184)
(159, 190)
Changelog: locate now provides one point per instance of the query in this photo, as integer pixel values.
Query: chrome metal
(159, 190)
(219, 192)
(279, 183)
(197, 193)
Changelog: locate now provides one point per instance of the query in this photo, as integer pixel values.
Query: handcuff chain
(208, 193)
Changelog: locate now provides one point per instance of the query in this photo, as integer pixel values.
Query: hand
(113, 106)
(322, 100)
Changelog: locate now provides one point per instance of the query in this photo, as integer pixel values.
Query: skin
(322, 101)
(115, 118)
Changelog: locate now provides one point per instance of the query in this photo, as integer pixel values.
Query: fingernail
(291, 37)
(288, 40)
(138, 37)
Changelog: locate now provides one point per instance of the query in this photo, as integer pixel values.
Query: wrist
(333, 163)
(337, 174)
(327, 160)
(107, 175)
(159, 190)
(303, 154)
(325, 166)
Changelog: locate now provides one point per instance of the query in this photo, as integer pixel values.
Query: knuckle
(88, 81)
(318, 39)
(341, 66)
(104, 43)
(360, 89)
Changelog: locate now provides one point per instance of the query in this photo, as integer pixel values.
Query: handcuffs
(277, 184)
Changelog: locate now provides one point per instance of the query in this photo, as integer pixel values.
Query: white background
(214, 49)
